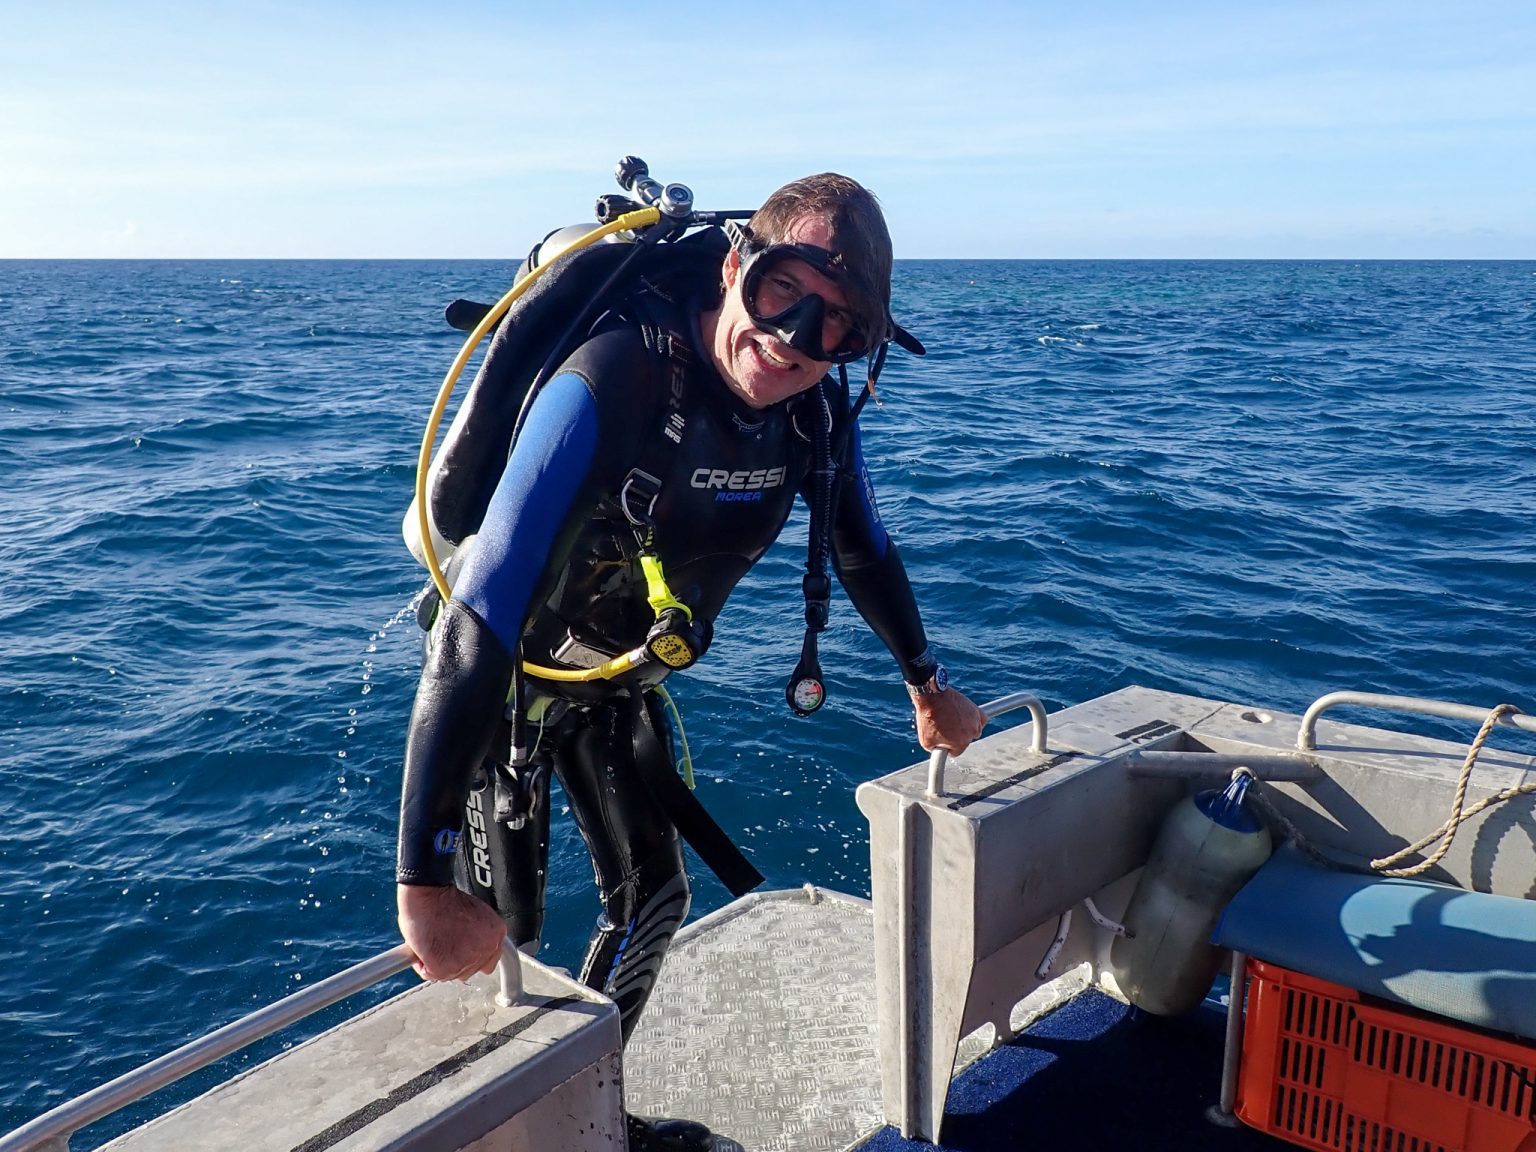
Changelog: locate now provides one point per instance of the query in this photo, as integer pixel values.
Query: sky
(1346, 129)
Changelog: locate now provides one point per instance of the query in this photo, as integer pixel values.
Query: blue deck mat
(1094, 1074)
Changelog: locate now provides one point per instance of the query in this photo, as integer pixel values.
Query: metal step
(763, 1025)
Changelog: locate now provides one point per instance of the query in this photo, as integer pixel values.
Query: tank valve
(674, 201)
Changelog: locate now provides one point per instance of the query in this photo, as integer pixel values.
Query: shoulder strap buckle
(663, 339)
(637, 498)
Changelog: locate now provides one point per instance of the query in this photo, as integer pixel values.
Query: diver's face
(761, 368)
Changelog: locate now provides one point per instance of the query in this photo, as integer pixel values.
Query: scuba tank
(564, 286)
(466, 467)
(1208, 847)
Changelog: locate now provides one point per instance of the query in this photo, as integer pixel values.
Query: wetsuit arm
(459, 699)
(543, 492)
(870, 569)
(546, 493)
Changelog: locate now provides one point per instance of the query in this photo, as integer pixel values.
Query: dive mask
(778, 302)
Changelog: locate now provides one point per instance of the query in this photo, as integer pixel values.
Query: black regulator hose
(807, 690)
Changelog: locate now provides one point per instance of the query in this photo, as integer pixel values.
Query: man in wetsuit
(679, 431)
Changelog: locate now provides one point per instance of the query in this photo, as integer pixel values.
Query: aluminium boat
(1364, 1012)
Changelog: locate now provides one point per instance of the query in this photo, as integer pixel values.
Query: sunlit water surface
(1252, 481)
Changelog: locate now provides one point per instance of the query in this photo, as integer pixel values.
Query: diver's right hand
(452, 934)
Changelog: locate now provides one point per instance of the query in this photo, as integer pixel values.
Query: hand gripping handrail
(997, 707)
(50, 1132)
(1306, 737)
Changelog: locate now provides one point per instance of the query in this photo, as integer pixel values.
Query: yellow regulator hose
(615, 667)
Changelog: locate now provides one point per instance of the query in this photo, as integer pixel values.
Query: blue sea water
(1254, 481)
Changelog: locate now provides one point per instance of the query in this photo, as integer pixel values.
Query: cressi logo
(479, 861)
(742, 480)
(869, 494)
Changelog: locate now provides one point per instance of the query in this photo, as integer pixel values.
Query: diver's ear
(730, 267)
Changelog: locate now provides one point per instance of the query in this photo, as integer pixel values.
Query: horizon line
(898, 259)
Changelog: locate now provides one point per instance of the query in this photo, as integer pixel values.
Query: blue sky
(1352, 128)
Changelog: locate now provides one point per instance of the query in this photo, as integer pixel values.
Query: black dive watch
(935, 685)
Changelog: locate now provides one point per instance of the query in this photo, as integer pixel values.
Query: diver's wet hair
(859, 235)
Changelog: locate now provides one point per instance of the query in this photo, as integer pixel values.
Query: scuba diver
(652, 469)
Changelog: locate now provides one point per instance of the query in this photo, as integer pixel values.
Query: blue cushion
(1465, 955)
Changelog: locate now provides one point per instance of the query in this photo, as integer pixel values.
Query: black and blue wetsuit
(554, 569)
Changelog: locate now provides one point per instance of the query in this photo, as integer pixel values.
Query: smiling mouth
(773, 360)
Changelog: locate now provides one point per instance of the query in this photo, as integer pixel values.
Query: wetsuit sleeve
(459, 699)
(544, 494)
(871, 572)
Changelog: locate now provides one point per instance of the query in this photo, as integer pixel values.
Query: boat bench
(1466, 956)
(438, 1067)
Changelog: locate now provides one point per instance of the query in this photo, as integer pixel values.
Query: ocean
(1254, 481)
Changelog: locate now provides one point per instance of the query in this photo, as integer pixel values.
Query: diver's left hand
(948, 720)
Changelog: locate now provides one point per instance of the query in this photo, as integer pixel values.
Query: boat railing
(1306, 737)
(51, 1131)
(1009, 703)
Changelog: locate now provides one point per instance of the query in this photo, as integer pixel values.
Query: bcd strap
(675, 638)
(641, 487)
(688, 815)
(637, 500)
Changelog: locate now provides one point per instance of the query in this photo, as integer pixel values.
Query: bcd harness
(675, 639)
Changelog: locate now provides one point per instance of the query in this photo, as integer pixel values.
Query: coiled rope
(1384, 865)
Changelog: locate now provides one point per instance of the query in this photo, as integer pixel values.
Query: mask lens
(776, 298)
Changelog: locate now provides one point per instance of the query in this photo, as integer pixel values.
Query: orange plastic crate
(1324, 1068)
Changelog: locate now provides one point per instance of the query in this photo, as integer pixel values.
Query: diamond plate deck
(763, 1025)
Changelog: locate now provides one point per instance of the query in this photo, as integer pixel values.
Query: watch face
(808, 695)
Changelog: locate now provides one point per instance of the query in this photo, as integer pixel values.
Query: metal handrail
(51, 1130)
(1306, 738)
(997, 707)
